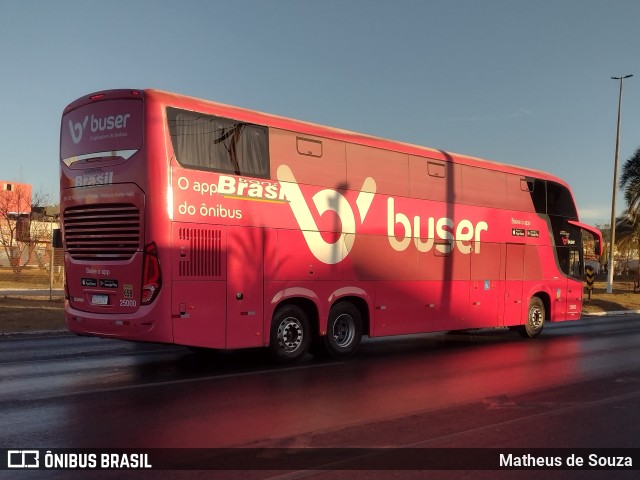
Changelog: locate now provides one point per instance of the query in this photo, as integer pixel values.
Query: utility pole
(615, 189)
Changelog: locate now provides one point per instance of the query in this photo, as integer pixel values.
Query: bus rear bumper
(141, 330)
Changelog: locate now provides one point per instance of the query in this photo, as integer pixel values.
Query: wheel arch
(300, 297)
(544, 294)
(546, 301)
(362, 307)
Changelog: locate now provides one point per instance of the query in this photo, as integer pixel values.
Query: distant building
(16, 244)
(15, 199)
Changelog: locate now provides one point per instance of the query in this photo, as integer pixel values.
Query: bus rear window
(104, 130)
(208, 142)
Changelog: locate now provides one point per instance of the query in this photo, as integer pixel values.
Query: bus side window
(575, 265)
(208, 142)
(559, 201)
(538, 190)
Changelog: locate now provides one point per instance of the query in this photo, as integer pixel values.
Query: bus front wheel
(535, 319)
(290, 334)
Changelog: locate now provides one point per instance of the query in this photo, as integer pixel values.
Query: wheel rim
(536, 317)
(344, 330)
(290, 334)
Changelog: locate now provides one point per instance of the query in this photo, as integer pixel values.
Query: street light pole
(615, 189)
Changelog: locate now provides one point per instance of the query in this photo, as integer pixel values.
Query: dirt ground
(622, 298)
(24, 315)
(28, 314)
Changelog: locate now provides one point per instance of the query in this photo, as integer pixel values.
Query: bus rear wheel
(535, 319)
(290, 334)
(344, 331)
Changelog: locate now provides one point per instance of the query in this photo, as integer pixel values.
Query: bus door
(245, 272)
(570, 283)
(575, 284)
(512, 293)
(484, 293)
(576, 257)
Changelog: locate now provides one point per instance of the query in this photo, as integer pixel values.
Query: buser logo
(98, 124)
(443, 233)
(325, 200)
(77, 129)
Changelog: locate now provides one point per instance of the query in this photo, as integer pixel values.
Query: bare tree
(16, 236)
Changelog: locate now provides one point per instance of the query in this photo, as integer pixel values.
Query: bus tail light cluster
(151, 276)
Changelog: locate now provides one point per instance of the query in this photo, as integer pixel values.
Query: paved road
(578, 386)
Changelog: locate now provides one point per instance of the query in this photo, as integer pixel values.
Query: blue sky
(515, 81)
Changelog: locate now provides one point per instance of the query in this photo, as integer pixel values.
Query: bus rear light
(151, 276)
(96, 97)
(149, 292)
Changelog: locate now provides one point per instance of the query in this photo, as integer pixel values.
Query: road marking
(178, 382)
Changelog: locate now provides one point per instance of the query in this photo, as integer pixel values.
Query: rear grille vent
(204, 253)
(106, 232)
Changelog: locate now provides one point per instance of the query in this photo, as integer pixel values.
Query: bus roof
(251, 116)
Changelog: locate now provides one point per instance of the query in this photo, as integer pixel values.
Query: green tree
(628, 232)
(630, 182)
(628, 226)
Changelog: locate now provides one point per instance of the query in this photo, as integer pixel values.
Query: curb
(616, 312)
(28, 292)
(34, 332)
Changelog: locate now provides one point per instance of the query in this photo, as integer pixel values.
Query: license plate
(100, 299)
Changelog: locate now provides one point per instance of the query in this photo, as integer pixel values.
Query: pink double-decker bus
(190, 222)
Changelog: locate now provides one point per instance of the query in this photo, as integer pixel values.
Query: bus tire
(344, 331)
(535, 319)
(290, 334)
